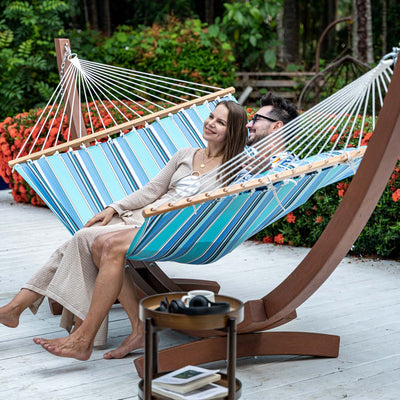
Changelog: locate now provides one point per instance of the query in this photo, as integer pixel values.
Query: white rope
(340, 110)
(309, 134)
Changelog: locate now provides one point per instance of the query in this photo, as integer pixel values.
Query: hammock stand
(279, 306)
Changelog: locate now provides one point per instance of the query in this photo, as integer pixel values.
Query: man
(274, 113)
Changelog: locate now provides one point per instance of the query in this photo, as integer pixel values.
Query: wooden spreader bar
(254, 183)
(76, 143)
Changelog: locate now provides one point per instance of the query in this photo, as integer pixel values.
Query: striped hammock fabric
(78, 184)
(205, 232)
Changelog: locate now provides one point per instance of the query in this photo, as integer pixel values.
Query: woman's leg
(10, 313)
(107, 288)
(129, 301)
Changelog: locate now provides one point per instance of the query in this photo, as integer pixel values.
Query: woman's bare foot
(133, 342)
(72, 346)
(9, 317)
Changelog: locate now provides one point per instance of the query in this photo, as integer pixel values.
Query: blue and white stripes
(78, 184)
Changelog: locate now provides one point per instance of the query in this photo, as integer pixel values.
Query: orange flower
(334, 137)
(279, 239)
(318, 219)
(396, 195)
(342, 186)
(268, 239)
(291, 218)
(366, 138)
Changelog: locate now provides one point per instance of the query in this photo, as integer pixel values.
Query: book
(207, 392)
(184, 375)
(189, 383)
(189, 386)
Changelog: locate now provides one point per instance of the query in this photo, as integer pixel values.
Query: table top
(149, 304)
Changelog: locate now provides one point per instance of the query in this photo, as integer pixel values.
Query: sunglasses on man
(256, 117)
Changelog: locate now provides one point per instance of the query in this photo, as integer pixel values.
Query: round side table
(156, 320)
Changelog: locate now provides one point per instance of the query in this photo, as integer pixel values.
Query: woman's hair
(236, 134)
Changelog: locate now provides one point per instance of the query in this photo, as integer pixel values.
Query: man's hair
(283, 110)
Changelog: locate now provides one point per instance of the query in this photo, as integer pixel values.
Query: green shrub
(180, 49)
(28, 69)
(251, 27)
(303, 226)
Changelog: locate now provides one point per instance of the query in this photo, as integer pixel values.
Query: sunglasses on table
(256, 117)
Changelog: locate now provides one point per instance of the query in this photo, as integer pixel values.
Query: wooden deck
(360, 302)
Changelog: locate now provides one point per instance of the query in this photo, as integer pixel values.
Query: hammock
(80, 182)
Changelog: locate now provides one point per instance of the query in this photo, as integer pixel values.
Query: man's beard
(251, 140)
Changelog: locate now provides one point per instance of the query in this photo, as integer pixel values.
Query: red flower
(366, 138)
(291, 218)
(279, 239)
(342, 186)
(318, 219)
(396, 195)
(334, 137)
(268, 239)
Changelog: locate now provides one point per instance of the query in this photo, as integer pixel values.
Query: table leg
(155, 351)
(149, 357)
(231, 356)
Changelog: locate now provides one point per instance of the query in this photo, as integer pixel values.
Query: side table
(156, 320)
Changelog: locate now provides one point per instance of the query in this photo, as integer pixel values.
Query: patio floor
(360, 302)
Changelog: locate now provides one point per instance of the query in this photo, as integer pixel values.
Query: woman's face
(215, 126)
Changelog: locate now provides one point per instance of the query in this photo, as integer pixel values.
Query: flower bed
(14, 131)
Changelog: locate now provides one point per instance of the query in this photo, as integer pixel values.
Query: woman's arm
(154, 189)
(104, 217)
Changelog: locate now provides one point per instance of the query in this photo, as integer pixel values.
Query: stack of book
(189, 383)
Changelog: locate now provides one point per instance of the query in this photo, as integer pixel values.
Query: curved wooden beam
(352, 214)
(278, 307)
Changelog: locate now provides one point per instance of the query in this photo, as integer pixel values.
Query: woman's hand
(104, 217)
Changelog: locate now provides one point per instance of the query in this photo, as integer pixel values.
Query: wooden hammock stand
(279, 306)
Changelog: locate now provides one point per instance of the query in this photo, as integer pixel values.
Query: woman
(86, 274)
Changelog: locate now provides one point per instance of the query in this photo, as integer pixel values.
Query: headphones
(198, 305)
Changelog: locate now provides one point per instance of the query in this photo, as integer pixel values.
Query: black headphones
(198, 305)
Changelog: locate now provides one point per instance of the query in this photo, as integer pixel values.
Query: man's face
(262, 127)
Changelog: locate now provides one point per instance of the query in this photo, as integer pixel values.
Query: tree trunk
(106, 18)
(94, 15)
(384, 27)
(86, 13)
(291, 28)
(329, 15)
(362, 31)
(370, 45)
(280, 34)
(209, 11)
